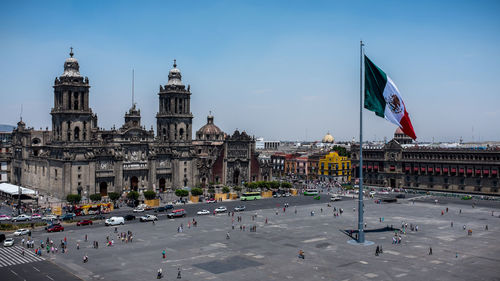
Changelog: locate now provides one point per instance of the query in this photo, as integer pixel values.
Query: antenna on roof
(21, 115)
(133, 74)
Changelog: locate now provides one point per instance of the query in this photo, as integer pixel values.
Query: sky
(282, 70)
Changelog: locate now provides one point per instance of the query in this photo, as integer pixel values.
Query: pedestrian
(486, 227)
(78, 246)
(266, 220)
(451, 224)
(164, 254)
(377, 251)
(85, 237)
(430, 251)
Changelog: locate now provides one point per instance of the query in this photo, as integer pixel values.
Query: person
(301, 254)
(486, 228)
(85, 259)
(164, 254)
(78, 246)
(377, 251)
(430, 251)
(227, 235)
(451, 224)
(160, 274)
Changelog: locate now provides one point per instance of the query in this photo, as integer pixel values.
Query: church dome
(71, 67)
(174, 76)
(210, 131)
(328, 139)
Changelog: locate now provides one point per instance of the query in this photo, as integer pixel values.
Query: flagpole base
(355, 242)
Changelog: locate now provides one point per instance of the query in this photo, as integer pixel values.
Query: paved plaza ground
(204, 253)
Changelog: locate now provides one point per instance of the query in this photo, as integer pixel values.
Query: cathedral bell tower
(72, 118)
(174, 119)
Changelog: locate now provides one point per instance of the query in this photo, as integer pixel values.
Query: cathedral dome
(71, 67)
(210, 131)
(174, 76)
(328, 138)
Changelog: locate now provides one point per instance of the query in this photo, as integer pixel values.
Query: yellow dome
(328, 139)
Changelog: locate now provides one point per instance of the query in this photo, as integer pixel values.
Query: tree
(133, 195)
(181, 193)
(113, 196)
(73, 198)
(226, 189)
(252, 185)
(286, 185)
(149, 194)
(237, 188)
(342, 151)
(95, 197)
(274, 185)
(196, 191)
(211, 190)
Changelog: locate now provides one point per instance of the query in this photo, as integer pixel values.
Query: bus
(311, 192)
(250, 196)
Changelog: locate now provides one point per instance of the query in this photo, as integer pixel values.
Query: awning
(415, 169)
(453, 170)
(445, 170)
(369, 166)
(408, 168)
(430, 169)
(493, 172)
(422, 169)
(469, 171)
(393, 168)
(14, 189)
(364, 166)
(478, 171)
(486, 172)
(438, 170)
(461, 171)
(375, 167)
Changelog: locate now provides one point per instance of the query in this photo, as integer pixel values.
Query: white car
(203, 212)
(335, 198)
(138, 210)
(372, 193)
(114, 221)
(22, 231)
(221, 209)
(22, 217)
(8, 242)
(5, 218)
(49, 218)
(36, 217)
(149, 218)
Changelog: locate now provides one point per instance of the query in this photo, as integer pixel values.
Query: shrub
(211, 190)
(95, 197)
(226, 189)
(149, 194)
(286, 185)
(237, 188)
(113, 196)
(181, 192)
(134, 195)
(274, 185)
(73, 198)
(196, 191)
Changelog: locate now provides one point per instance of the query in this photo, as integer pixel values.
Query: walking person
(430, 251)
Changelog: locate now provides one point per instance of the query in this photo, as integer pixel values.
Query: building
(333, 167)
(456, 169)
(261, 144)
(5, 156)
(77, 156)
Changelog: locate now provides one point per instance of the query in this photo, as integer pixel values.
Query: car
(93, 212)
(400, 196)
(372, 193)
(177, 213)
(221, 209)
(149, 218)
(169, 206)
(51, 225)
(114, 221)
(239, 208)
(49, 218)
(8, 242)
(288, 194)
(129, 217)
(22, 231)
(5, 218)
(98, 217)
(160, 209)
(22, 217)
(211, 200)
(68, 216)
(36, 216)
(55, 228)
(138, 210)
(335, 198)
(84, 222)
(203, 212)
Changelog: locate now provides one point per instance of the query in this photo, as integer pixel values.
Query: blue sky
(286, 70)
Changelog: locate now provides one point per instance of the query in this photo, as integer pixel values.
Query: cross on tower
(71, 52)
(175, 63)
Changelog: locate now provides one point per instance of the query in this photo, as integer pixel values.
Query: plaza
(270, 253)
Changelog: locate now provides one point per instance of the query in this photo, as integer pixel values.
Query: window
(79, 176)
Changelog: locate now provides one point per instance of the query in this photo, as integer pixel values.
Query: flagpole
(361, 233)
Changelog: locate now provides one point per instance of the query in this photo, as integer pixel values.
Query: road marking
(14, 272)
(36, 269)
(49, 277)
(314, 240)
(363, 262)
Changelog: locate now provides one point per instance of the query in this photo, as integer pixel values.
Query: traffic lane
(447, 200)
(36, 271)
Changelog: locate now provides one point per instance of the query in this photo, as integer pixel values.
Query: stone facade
(76, 156)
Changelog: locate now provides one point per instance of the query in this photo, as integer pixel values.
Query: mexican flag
(383, 97)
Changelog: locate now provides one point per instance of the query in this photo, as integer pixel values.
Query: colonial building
(5, 155)
(462, 169)
(76, 156)
(332, 166)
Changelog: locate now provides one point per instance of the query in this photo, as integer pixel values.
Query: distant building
(335, 167)
(5, 156)
(261, 144)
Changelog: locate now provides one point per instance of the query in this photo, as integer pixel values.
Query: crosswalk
(13, 255)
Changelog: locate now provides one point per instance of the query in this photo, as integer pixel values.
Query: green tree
(274, 185)
(226, 189)
(133, 195)
(237, 188)
(211, 190)
(73, 198)
(342, 151)
(196, 191)
(286, 185)
(113, 196)
(95, 197)
(149, 194)
(252, 185)
(181, 193)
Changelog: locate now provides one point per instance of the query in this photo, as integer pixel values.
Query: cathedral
(78, 157)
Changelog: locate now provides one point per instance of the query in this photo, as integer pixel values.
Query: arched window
(181, 133)
(77, 133)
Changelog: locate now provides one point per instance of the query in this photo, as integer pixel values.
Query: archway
(103, 188)
(236, 176)
(203, 182)
(162, 185)
(134, 183)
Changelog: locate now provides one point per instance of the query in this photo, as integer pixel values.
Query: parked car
(288, 194)
(129, 217)
(138, 210)
(335, 198)
(36, 216)
(22, 231)
(55, 228)
(98, 217)
(8, 242)
(149, 218)
(221, 209)
(114, 221)
(94, 212)
(49, 218)
(84, 222)
(203, 212)
(51, 225)
(5, 218)
(239, 208)
(169, 206)
(68, 216)
(211, 200)
(177, 214)
(160, 209)
(22, 217)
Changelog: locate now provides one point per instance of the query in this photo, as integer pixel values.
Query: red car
(55, 228)
(84, 222)
(211, 200)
